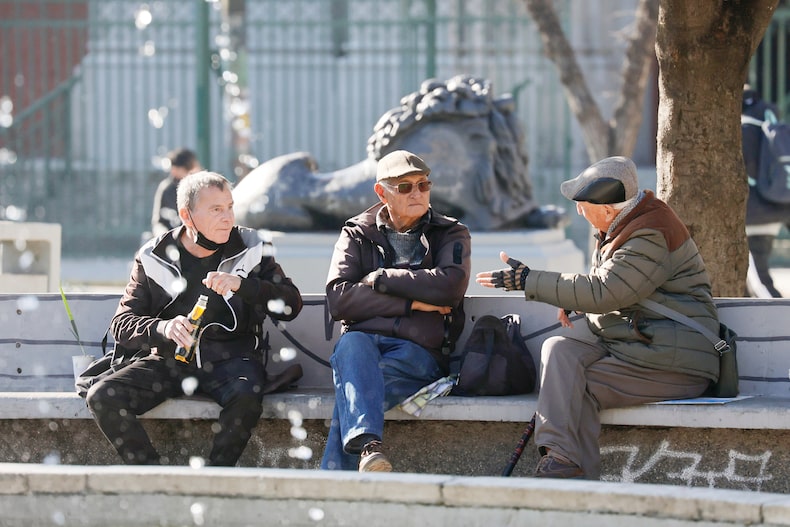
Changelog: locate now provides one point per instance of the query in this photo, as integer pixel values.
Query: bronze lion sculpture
(471, 140)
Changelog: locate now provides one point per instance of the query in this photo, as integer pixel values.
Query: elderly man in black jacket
(207, 255)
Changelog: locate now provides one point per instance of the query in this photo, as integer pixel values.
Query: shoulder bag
(723, 343)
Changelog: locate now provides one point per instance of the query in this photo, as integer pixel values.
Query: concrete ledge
(132, 496)
(751, 413)
(740, 445)
(29, 257)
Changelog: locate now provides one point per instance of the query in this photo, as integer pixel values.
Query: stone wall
(753, 460)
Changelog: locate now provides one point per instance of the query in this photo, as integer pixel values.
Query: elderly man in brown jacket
(643, 251)
(397, 281)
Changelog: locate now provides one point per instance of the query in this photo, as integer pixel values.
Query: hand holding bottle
(187, 336)
(179, 330)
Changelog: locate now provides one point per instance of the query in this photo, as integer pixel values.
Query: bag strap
(718, 343)
(745, 119)
(447, 344)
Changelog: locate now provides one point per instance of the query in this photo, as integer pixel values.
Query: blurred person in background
(764, 219)
(165, 213)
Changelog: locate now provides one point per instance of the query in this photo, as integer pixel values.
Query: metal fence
(769, 69)
(94, 97)
(93, 93)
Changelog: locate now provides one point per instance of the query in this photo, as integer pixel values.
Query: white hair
(624, 204)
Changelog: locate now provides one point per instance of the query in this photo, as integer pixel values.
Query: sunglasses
(406, 187)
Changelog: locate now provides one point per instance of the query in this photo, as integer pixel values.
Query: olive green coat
(650, 254)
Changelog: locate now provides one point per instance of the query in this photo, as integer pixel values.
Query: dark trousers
(760, 247)
(236, 384)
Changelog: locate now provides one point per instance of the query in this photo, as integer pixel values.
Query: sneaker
(555, 466)
(372, 459)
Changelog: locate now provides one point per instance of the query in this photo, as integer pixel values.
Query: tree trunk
(704, 48)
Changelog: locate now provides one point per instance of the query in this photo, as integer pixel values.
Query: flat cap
(610, 180)
(400, 163)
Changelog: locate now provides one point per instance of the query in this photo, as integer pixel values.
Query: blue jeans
(372, 374)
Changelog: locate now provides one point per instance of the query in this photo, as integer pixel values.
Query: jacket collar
(368, 218)
(233, 246)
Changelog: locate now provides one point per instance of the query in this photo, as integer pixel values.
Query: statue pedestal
(305, 257)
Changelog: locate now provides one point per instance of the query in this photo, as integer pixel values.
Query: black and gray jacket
(155, 283)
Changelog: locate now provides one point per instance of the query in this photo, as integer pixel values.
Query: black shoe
(372, 459)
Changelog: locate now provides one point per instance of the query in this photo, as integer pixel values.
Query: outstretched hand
(510, 279)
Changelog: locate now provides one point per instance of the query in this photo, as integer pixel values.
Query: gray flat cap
(610, 180)
(400, 163)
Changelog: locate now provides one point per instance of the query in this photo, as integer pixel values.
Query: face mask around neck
(201, 239)
(206, 243)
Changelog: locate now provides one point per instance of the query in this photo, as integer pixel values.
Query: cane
(516, 455)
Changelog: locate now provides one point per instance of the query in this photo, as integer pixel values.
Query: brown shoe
(372, 459)
(555, 466)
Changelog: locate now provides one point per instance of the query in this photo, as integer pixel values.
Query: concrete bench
(36, 379)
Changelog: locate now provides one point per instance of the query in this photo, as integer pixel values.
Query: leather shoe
(284, 380)
(554, 466)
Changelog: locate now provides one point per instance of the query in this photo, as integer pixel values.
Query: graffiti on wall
(748, 471)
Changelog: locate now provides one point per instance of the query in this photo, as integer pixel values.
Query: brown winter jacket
(386, 308)
(649, 255)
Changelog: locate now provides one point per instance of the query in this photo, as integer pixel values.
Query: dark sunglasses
(406, 187)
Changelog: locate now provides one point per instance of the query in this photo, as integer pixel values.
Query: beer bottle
(187, 354)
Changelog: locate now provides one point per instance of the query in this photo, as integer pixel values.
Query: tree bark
(618, 135)
(636, 72)
(704, 48)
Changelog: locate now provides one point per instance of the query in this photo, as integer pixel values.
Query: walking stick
(516, 455)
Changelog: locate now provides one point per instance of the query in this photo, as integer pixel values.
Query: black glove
(511, 279)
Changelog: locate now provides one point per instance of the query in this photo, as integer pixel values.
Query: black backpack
(495, 359)
(773, 170)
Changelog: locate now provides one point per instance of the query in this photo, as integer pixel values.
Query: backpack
(773, 172)
(104, 366)
(495, 359)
